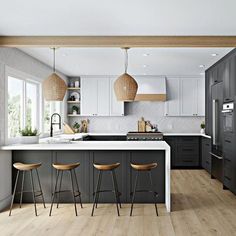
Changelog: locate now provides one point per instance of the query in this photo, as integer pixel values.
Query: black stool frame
(32, 191)
(58, 191)
(114, 190)
(132, 194)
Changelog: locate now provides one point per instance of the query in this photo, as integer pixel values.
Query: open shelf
(71, 115)
(73, 102)
(73, 88)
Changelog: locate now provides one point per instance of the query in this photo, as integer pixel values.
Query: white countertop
(93, 145)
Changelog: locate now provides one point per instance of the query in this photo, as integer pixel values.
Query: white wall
(153, 111)
(18, 60)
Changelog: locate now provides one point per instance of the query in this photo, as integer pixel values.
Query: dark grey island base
(87, 175)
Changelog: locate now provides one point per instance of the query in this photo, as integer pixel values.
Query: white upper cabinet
(201, 97)
(89, 96)
(172, 105)
(103, 99)
(185, 97)
(116, 107)
(98, 98)
(188, 97)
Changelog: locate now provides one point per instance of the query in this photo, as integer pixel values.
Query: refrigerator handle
(214, 121)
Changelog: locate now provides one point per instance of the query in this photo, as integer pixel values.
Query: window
(49, 109)
(23, 105)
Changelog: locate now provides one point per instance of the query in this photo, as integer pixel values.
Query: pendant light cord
(54, 59)
(126, 60)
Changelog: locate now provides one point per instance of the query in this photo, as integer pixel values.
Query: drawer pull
(214, 155)
(226, 177)
(227, 141)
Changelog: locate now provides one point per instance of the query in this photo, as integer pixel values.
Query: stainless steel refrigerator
(217, 131)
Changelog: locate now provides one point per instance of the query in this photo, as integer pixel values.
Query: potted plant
(203, 127)
(76, 127)
(29, 136)
(75, 110)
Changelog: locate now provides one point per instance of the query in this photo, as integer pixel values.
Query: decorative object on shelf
(75, 110)
(68, 129)
(141, 125)
(125, 86)
(75, 96)
(84, 126)
(76, 127)
(71, 84)
(77, 83)
(148, 126)
(29, 136)
(202, 131)
(54, 87)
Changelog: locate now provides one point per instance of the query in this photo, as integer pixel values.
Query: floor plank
(200, 207)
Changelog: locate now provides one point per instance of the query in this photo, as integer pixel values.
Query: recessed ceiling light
(144, 66)
(202, 66)
(146, 54)
(214, 54)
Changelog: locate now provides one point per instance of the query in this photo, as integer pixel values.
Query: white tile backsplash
(153, 111)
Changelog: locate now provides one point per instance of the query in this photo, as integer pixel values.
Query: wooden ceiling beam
(118, 41)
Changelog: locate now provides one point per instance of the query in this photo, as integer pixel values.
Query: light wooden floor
(200, 207)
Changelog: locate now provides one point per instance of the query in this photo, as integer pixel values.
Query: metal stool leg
(73, 192)
(53, 196)
(76, 181)
(117, 189)
(22, 187)
(14, 192)
(40, 187)
(96, 192)
(115, 192)
(58, 196)
(99, 187)
(33, 192)
(152, 188)
(134, 192)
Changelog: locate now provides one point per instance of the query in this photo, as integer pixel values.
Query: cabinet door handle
(227, 178)
(227, 141)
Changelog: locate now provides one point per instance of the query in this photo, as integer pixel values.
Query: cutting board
(141, 125)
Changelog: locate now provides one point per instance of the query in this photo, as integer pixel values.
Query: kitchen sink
(105, 138)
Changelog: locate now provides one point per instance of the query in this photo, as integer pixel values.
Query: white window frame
(26, 78)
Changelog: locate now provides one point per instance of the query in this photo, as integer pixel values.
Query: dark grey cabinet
(205, 154)
(44, 157)
(184, 151)
(87, 174)
(229, 79)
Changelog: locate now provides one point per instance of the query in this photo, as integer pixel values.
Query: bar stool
(60, 168)
(101, 168)
(143, 168)
(21, 167)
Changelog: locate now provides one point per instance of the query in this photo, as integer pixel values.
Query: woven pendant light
(54, 87)
(125, 86)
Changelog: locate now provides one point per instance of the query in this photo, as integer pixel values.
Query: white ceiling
(110, 61)
(120, 17)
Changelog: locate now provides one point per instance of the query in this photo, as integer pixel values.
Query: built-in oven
(228, 117)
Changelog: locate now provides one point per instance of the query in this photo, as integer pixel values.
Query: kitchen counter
(89, 152)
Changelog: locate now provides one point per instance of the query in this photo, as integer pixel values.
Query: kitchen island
(90, 152)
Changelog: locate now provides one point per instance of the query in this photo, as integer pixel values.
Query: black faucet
(53, 123)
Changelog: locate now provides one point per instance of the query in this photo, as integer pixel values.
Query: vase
(30, 139)
(202, 131)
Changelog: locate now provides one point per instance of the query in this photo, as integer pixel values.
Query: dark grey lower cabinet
(44, 157)
(206, 157)
(87, 174)
(184, 151)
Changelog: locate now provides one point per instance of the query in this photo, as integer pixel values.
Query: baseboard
(5, 203)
